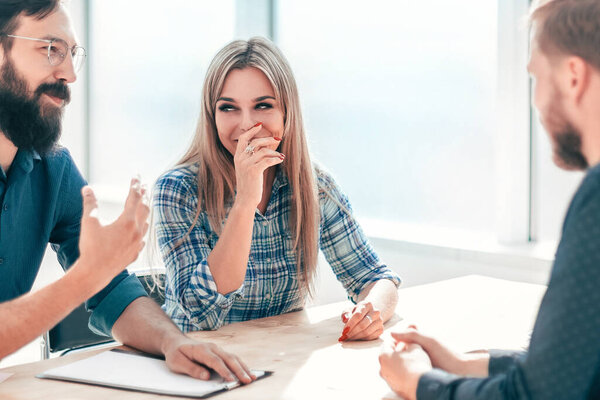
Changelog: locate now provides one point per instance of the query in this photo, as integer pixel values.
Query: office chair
(73, 333)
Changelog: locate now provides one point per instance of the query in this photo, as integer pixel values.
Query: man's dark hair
(10, 10)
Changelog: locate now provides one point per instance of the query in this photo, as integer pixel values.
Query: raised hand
(106, 250)
(252, 157)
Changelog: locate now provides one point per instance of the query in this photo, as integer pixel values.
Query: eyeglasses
(57, 51)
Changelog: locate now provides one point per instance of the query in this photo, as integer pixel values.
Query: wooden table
(468, 313)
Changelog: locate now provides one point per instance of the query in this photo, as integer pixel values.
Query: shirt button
(6, 207)
(268, 260)
(268, 296)
(265, 223)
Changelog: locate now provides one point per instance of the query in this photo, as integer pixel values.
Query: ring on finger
(249, 149)
(369, 318)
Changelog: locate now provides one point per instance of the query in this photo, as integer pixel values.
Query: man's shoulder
(58, 158)
(585, 204)
(589, 190)
(59, 173)
(593, 174)
(57, 154)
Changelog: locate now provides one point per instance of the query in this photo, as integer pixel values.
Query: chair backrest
(73, 332)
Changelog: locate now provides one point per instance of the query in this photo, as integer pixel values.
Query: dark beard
(568, 149)
(566, 139)
(22, 120)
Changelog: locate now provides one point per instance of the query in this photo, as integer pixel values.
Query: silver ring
(249, 149)
(370, 320)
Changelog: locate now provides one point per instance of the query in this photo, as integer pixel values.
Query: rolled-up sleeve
(345, 245)
(108, 305)
(191, 289)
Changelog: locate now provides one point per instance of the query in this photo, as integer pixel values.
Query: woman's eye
(263, 106)
(226, 107)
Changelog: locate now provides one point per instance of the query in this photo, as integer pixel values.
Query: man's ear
(577, 78)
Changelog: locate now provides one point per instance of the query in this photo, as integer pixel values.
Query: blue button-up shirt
(41, 203)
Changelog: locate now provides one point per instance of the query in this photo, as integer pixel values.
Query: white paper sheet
(131, 371)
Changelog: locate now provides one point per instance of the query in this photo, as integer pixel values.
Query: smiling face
(35, 91)
(30, 58)
(247, 98)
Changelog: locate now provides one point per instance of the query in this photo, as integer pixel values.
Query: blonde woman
(240, 220)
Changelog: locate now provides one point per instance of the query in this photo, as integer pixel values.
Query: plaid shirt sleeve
(345, 245)
(193, 292)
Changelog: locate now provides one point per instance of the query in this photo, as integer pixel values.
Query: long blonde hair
(216, 174)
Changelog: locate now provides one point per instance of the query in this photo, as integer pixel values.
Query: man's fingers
(413, 346)
(410, 336)
(142, 213)
(89, 201)
(387, 348)
(407, 334)
(236, 366)
(204, 354)
(133, 199)
(181, 364)
(145, 229)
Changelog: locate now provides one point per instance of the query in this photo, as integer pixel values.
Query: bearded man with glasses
(41, 202)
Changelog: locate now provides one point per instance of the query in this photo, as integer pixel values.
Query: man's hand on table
(442, 357)
(402, 365)
(190, 357)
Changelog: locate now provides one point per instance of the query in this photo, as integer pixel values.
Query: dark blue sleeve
(502, 360)
(108, 304)
(564, 352)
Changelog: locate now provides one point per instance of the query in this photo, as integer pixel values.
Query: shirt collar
(280, 180)
(25, 158)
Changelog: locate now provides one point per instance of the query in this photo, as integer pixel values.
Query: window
(399, 104)
(419, 109)
(147, 61)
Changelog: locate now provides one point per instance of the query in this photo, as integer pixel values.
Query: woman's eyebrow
(261, 98)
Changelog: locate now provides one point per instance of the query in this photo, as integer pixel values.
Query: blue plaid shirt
(271, 283)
